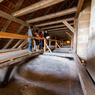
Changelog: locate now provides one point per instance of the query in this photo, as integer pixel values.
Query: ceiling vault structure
(55, 16)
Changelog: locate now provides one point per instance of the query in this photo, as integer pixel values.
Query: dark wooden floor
(45, 75)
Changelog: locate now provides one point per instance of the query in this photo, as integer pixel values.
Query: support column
(72, 40)
(44, 45)
(75, 34)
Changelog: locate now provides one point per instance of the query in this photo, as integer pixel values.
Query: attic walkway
(48, 74)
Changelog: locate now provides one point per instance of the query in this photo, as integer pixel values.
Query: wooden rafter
(69, 26)
(11, 40)
(40, 5)
(58, 29)
(1, 1)
(69, 34)
(55, 22)
(10, 17)
(48, 47)
(53, 15)
(17, 44)
(79, 7)
(56, 26)
(68, 6)
(63, 3)
(8, 22)
(31, 15)
(22, 44)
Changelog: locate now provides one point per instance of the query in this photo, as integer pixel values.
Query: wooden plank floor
(45, 75)
(9, 55)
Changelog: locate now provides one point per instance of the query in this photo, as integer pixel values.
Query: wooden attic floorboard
(9, 55)
(45, 75)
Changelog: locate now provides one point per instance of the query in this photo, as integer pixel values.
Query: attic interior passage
(47, 74)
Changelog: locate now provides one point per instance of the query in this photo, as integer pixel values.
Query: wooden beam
(10, 41)
(1, 1)
(11, 18)
(56, 26)
(48, 47)
(79, 7)
(63, 3)
(72, 41)
(17, 44)
(69, 26)
(22, 44)
(69, 34)
(53, 15)
(55, 22)
(75, 35)
(26, 46)
(16, 36)
(44, 45)
(6, 25)
(37, 6)
(57, 29)
(17, 57)
(48, 9)
(43, 14)
(69, 6)
(58, 45)
(8, 50)
(8, 22)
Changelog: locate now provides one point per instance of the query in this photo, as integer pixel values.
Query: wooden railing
(18, 36)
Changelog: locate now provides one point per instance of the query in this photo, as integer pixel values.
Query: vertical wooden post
(75, 34)
(56, 44)
(44, 45)
(72, 40)
(62, 43)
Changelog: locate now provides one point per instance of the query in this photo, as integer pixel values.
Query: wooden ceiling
(17, 15)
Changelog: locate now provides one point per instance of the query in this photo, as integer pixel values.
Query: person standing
(37, 41)
(30, 31)
(46, 34)
(41, 41)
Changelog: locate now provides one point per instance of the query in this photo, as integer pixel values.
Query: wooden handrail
(18, 36)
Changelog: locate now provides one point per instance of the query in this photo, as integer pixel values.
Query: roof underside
(10, 6)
